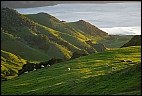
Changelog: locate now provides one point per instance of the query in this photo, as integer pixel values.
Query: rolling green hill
(114, 72)
(55, 40)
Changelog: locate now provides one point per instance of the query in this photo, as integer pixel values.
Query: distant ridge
(88, 28)
(29, 4)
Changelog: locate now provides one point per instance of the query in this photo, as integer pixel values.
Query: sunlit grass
(92, 74)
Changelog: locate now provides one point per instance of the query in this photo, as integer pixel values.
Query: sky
(113, 18)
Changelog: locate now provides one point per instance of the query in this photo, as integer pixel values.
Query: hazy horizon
(113, 18)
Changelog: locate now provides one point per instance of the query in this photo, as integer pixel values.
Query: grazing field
(116, 71)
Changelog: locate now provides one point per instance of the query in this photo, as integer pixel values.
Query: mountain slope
(80, 29)
(26, 31)
(15, 45)
(36, 42)
(88, 28)
(95, 74)
(135, 41)
(52, 22)
(70, 33)
(38, 37)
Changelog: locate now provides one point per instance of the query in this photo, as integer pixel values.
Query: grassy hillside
(96, 74)
(10, 64)
(135, 41)
(88, 28)
(34, 37)
(31, 34)
(76, 33)
(54, 23)
(15, 45)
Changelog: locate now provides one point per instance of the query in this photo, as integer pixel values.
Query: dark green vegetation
(135, 41)
(95, 74)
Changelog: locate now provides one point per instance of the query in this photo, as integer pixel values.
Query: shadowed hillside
(135, 41)
(88, 28)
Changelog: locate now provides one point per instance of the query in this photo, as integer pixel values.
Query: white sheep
(26, 72)
(42, 66)
(69, 69)
(34, 69)
(48, 65)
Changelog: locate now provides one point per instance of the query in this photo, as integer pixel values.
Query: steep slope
(35, 42)
(52, 22)
(95, 74)
(88, 28)
(36, 36)
(42, 33)
(135, 41)
(75, 35)
(79, 28)
(16, 45)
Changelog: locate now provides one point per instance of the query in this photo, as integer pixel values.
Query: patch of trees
(33, 66)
